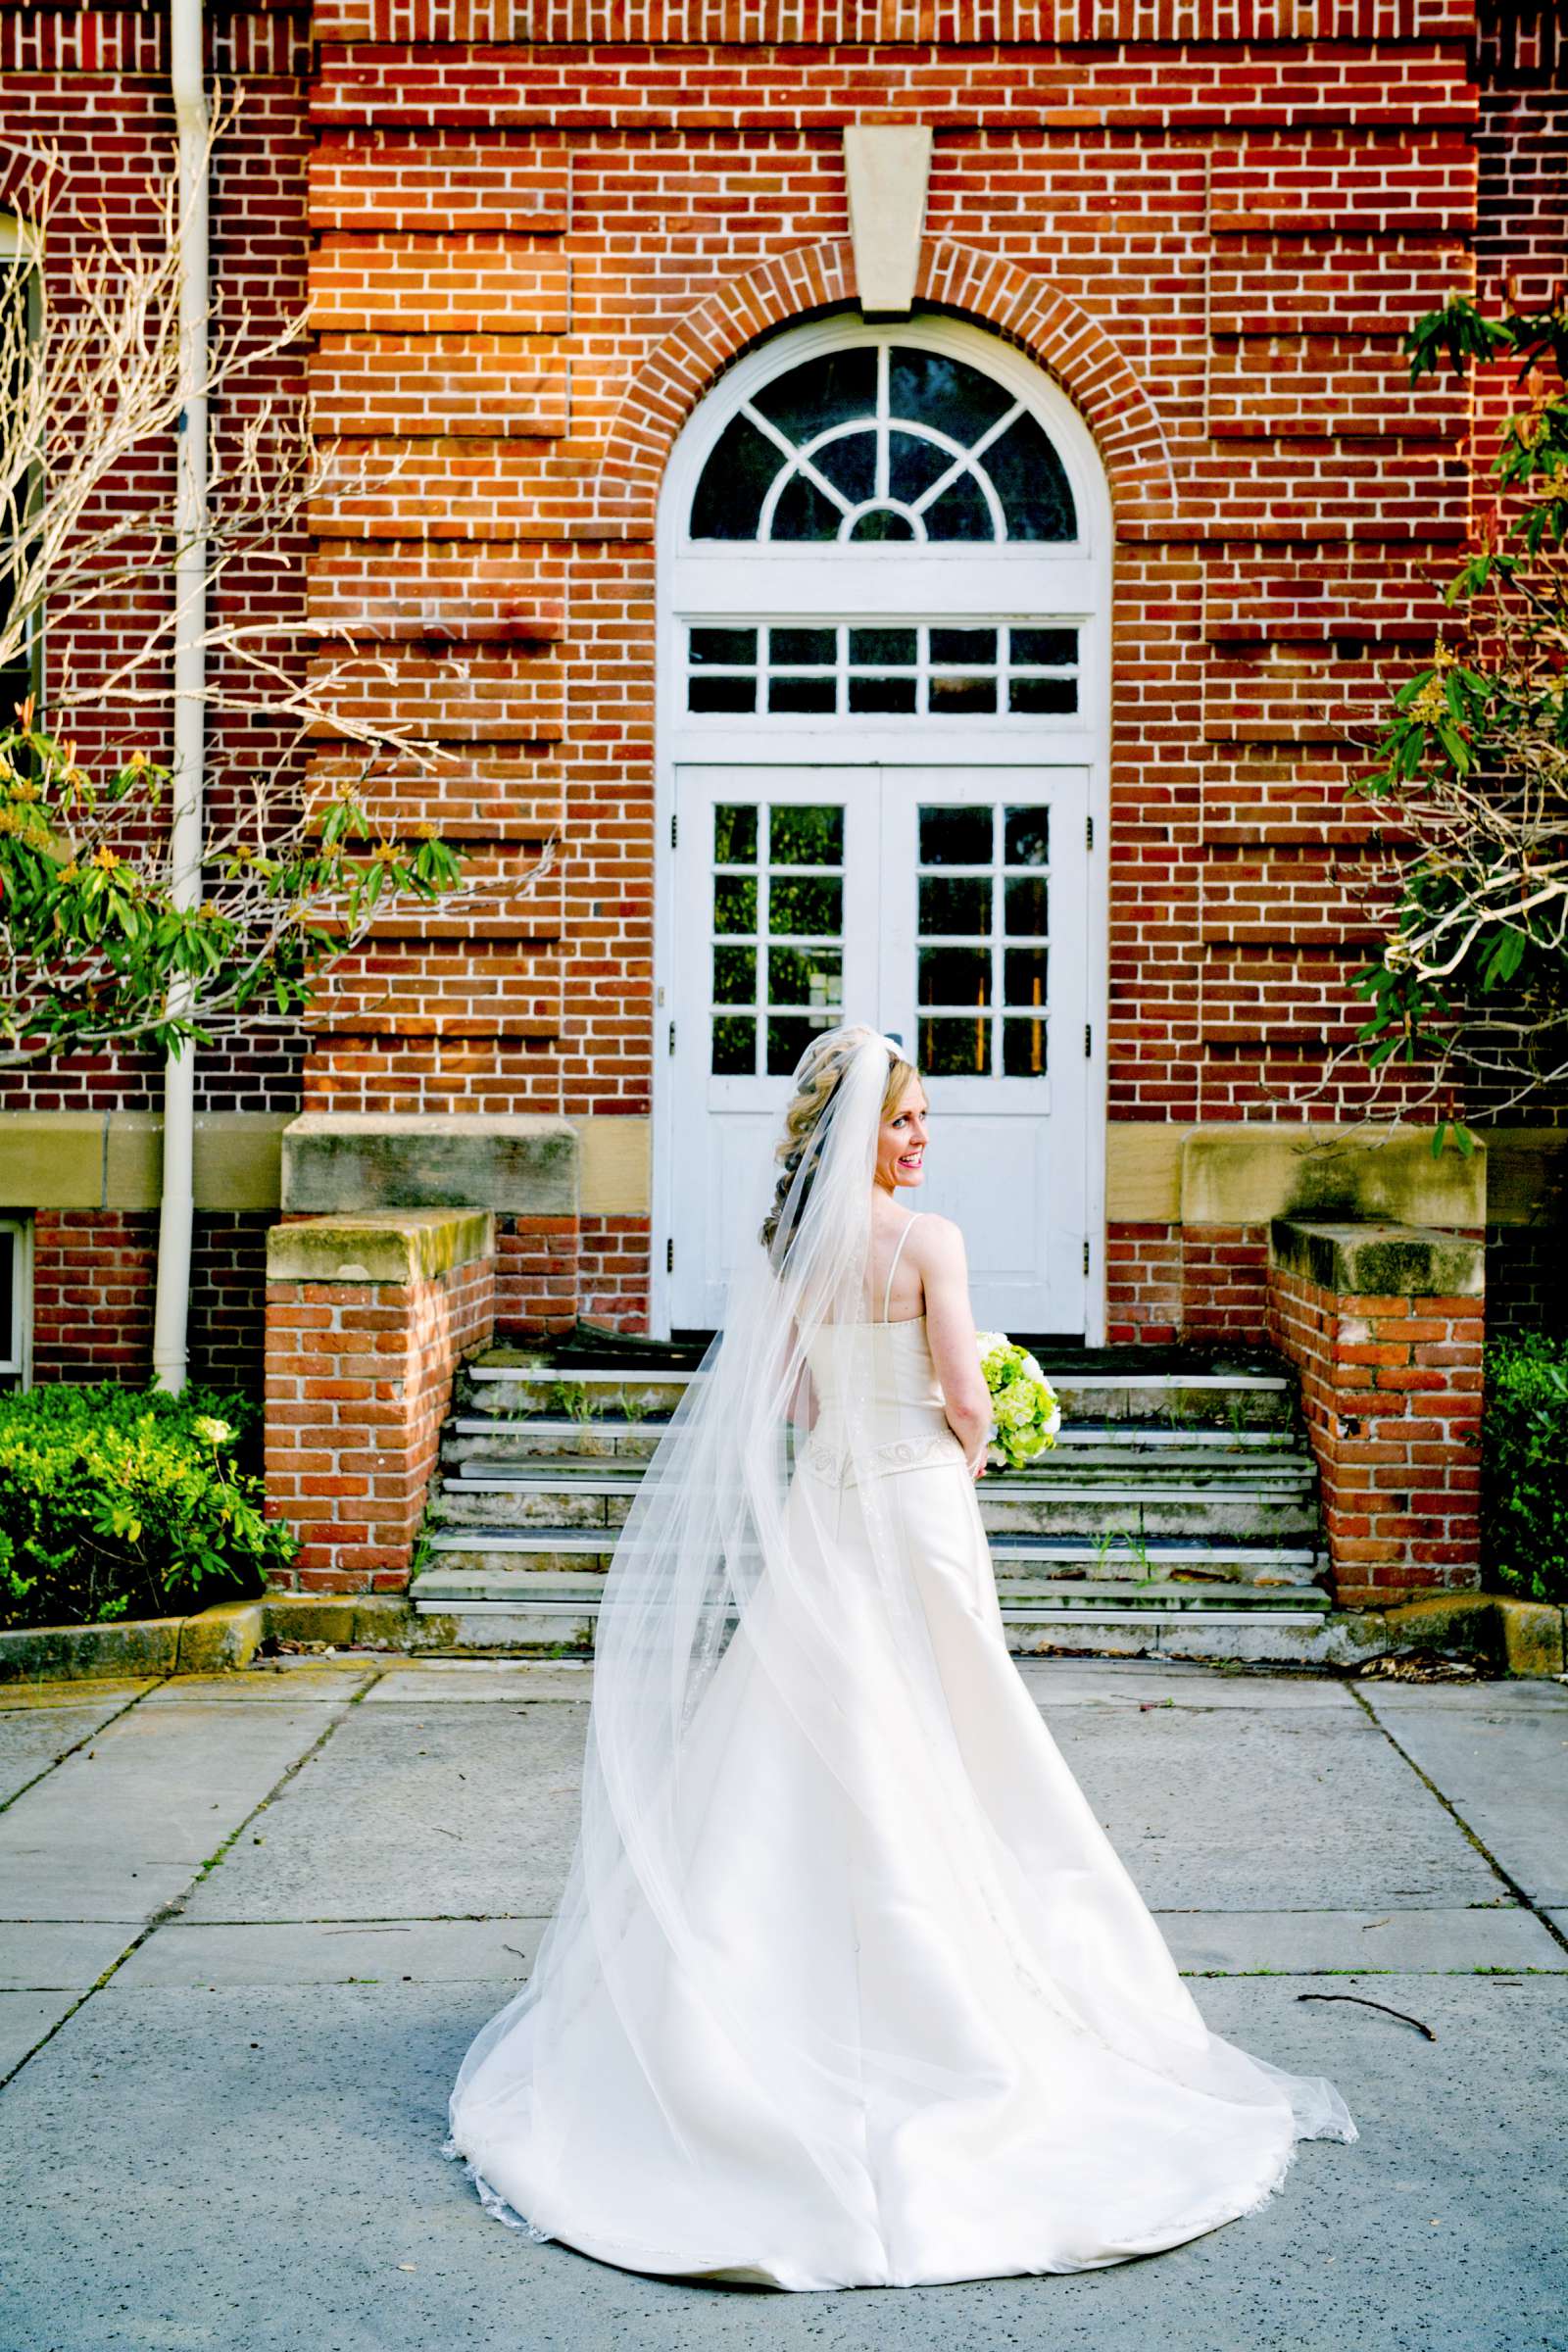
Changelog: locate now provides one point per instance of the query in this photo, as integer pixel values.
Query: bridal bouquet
(1023, 1402)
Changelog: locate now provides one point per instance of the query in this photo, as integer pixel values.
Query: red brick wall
(359, 1381)
(93, 1276)
(1199, 1283)
(1525, 1289)
(1224, 1282)
(613, 1272)
(1144, 1284)
(1215, 246)
(541, 233)
(92, 1293)
(1391, 1389)
(536, 1275)
(228, 1298)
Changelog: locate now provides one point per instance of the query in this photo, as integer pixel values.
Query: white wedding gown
(1029, 2085)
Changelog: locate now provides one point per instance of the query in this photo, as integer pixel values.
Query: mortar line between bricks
(1482, 1849)
(97, 1733)
(167, 1912)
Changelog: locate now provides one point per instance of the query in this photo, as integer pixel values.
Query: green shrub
(1524, 1447)
(126, 1502)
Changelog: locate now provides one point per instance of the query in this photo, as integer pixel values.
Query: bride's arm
(800, 1408)
(950, 1331)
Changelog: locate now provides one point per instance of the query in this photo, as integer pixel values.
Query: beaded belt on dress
(829, 1458)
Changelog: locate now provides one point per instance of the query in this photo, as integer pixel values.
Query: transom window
(881, 441)
(928, 669)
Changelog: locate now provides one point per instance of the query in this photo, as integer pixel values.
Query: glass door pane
(984, 963)
(777, 915)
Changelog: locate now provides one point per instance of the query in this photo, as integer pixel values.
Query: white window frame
(1037, 583)
(16, 1344)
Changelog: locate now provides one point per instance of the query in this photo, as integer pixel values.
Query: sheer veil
(721, 1555)
(698, 1980)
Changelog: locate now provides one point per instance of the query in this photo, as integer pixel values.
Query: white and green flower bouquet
(1023, 1403)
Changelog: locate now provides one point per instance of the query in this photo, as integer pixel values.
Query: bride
(847, 1988)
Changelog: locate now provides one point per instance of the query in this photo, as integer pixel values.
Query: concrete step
(501, 1588)
(553, 1438)
(515, 1384)
(1058, 1470)
(1129, 1513)
(1283, 1636)
(576, 1550)
(549, 1437)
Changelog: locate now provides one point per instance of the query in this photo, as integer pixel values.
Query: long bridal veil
(707, 2000)
(711, 1556)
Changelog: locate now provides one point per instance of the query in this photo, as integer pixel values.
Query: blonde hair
(800, 1142)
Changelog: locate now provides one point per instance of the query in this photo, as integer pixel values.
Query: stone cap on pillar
(388, 1245)
(522, 1163)
(1379, 1261)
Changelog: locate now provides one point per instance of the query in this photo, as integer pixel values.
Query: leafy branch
(1472, 975)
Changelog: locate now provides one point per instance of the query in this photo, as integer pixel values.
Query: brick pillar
(1385, 1323)
(368, 1317)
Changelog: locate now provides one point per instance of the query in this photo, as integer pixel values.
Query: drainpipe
(176, 1208)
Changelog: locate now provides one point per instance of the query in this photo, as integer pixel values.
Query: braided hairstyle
(801, 1144)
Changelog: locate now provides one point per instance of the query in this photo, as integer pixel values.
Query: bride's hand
(976, 1463)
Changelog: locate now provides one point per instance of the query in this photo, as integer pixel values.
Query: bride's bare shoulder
(937, 1241)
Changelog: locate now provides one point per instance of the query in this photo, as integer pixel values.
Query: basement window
(16, 1303)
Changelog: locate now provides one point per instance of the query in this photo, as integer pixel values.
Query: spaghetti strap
(893, 1268)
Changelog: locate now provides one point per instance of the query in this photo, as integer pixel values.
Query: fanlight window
(883, 441)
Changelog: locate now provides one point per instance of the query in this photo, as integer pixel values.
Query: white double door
(947, 906)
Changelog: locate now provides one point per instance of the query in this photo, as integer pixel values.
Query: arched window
(886, 525)
(884, 441)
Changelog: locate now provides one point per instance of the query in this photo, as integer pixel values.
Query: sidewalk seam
(172, 1909)
(97, 1733)
(1482, 1849)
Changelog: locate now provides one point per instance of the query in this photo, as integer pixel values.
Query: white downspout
(176, 1206)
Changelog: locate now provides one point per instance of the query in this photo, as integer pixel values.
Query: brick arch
(1028, 311)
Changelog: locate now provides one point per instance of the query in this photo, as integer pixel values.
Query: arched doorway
(884, 657)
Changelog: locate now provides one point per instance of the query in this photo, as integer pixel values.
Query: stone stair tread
(1104, 1369)
(1140, 1434)
(1122, 1435)
(524, 1591)
(1060, 1377)
(524, 1539)
(543, 1425)
(1034, 1487)
(1176, 1549)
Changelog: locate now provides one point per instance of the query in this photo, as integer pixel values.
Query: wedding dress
(861, 1993)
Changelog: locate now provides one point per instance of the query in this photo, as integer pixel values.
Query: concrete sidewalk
(248, 1926)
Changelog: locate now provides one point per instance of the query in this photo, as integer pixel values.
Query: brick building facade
(548, 249)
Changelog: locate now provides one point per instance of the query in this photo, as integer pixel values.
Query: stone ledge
(64, 1159)
(388, 1245)
(223, 1639)
(1525, 1637)
(1379, 1261)
(1250, 1173)
(520, 1163)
